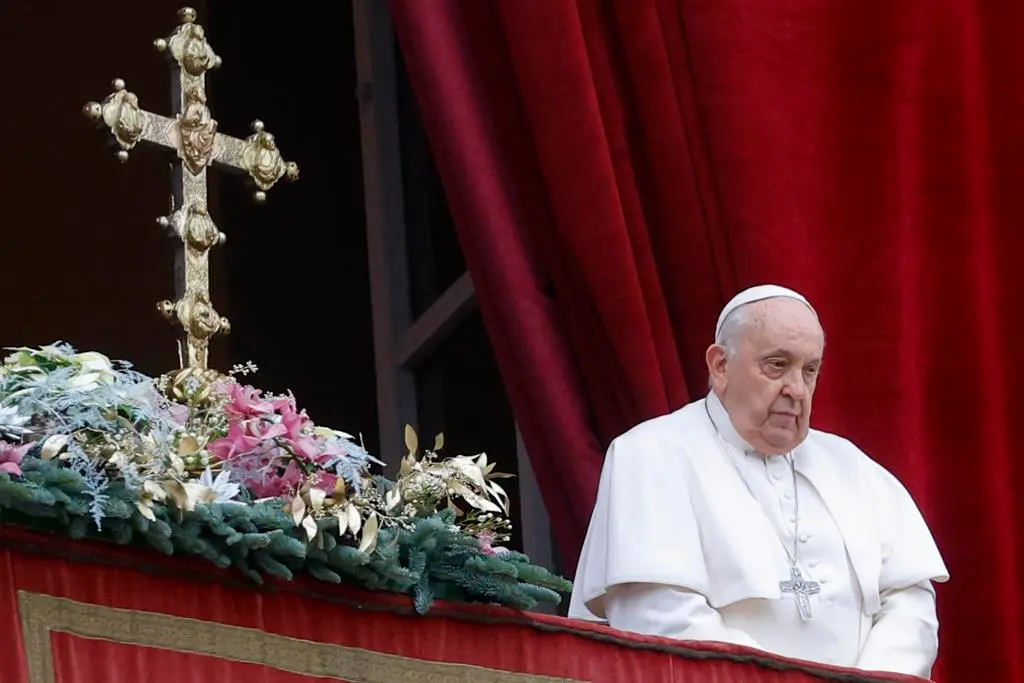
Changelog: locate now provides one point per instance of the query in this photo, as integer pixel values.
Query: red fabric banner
(88, 613)
(92, 660)
(618, 169)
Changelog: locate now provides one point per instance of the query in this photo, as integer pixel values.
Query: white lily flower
(222, 486)
(96, 369)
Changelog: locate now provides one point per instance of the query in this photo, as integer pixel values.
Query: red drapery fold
(618, 168)
(552, 216)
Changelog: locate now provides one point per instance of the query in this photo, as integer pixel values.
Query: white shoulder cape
(670, 510)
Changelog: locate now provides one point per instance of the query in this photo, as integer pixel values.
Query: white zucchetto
(758, 293)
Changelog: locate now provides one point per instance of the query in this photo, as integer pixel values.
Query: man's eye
(777, 364)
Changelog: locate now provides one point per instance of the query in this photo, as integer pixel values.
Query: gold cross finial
(192, 135)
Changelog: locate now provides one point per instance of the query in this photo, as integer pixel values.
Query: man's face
(767, 384)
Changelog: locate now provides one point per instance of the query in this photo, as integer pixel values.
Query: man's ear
(717, 357)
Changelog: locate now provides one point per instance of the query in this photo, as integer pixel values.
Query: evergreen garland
(428, 557)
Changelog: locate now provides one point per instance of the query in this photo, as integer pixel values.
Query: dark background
(297, 268)
(83, 260)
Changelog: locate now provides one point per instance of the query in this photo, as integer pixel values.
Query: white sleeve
(905, 635)
(668, 611)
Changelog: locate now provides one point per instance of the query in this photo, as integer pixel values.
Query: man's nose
(795, 388)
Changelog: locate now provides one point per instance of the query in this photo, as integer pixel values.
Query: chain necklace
(797, 584)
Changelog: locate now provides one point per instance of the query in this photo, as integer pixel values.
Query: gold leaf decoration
(188, 445)
(146, 510)
(316, 499)
(392, 499)
(355, 520)
(369, 539)
(187, 495)
(154, 490)
(297, 508)
(499, 494)
(477, 501)
(412, 442)
(53, 446)
(309, 525)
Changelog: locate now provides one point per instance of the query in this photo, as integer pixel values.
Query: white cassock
(679, 546)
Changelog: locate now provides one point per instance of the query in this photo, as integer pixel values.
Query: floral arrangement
(200, 463)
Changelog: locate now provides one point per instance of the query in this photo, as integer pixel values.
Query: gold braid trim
(43, 614)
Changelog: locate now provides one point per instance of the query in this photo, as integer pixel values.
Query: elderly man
(731, 520)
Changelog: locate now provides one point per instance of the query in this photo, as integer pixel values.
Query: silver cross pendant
(802, 589)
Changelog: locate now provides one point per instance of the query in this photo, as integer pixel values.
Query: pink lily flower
(179, 413)
(246, 402)
(11, 456)
(486, 540)
(245, 437)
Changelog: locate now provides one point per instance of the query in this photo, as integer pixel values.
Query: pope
(731, 520)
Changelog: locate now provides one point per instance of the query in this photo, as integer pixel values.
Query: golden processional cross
(192, 135)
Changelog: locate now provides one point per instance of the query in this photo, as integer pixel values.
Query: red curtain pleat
(619, 168)
(482, 144)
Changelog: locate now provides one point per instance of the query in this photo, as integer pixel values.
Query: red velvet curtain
(618, 168)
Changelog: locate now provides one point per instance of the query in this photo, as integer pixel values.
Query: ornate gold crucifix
(192, 135)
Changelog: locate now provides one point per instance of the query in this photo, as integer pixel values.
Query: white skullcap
(758, 293)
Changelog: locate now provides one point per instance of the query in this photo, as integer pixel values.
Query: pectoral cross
(192, 135)
(802, 589)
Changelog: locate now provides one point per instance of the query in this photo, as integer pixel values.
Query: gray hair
(732, 326)
(736, 322)
(729, 333)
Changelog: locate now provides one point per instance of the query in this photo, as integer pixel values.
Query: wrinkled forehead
(787, 324)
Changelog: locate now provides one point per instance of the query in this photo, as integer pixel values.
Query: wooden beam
(534, 524)
(437, 323)
(385, 221)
